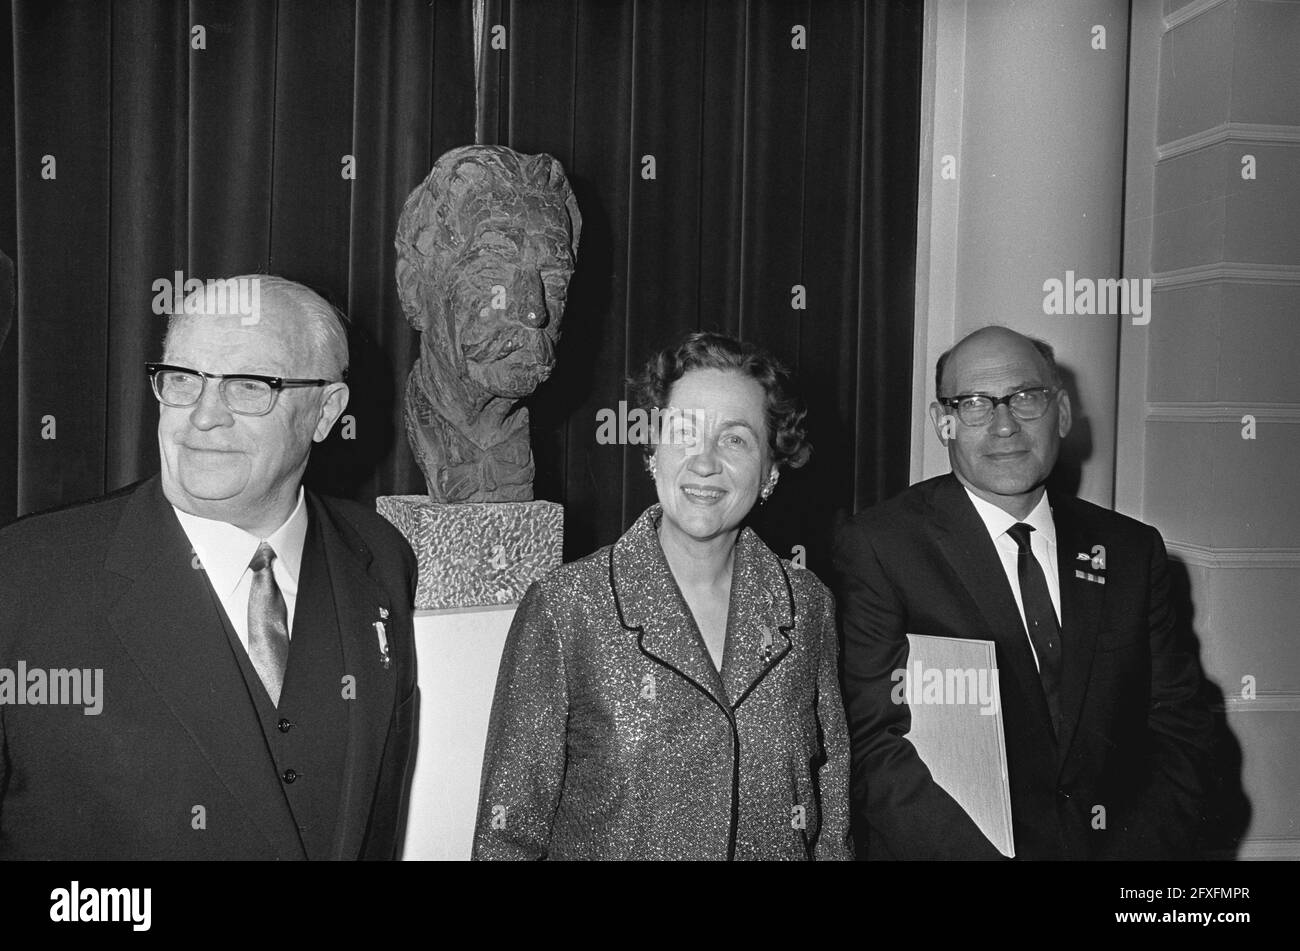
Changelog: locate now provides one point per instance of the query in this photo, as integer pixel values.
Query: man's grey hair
(1042, 346)
(322, 321)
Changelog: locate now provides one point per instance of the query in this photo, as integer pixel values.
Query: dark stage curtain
(213, 161)
(775, 166)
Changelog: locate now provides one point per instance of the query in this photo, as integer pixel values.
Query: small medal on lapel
(1096, 560)
(384, 657)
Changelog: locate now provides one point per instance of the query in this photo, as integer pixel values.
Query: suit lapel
(962, 537)
(759, 620)
(359, 604)
(652, 606)
(1081, 608)
(168, 620)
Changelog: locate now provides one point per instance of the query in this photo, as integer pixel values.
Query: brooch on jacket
(384, 657)
(1096, 561)
(767, 646)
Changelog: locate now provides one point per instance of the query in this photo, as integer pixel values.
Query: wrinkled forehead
(267, 333)
(993, 365)
(509, 236)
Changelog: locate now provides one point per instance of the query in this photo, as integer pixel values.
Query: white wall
(1213, 81)
(1126, 162)
(1033, 116)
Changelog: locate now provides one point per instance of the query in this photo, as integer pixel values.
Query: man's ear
(1064, 414)
(944, 423)
(331, 408)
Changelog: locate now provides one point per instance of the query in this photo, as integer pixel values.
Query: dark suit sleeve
(523, 767)
(898, 810)
(1166, 810)
(386, 829)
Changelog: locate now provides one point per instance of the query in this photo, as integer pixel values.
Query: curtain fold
(733, 160)
(207, 139)
(782, 209)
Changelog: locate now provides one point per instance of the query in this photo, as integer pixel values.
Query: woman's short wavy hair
(785, 410)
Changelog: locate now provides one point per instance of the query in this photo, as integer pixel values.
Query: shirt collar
(998, 521)
(224, 550)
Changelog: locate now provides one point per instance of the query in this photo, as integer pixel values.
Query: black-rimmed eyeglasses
(975, 409)
(248, 394)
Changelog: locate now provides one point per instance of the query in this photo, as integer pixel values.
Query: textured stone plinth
(474, 553)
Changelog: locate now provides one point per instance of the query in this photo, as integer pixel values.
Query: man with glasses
(254, 638)
(1105, 729)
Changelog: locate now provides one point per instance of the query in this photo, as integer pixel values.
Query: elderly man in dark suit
(253, 640)
(1106, 734)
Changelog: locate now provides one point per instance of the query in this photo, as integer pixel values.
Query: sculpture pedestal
(457, 654)
(476, 553)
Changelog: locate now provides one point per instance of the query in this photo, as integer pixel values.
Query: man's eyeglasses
(247, 394)
(977, 409)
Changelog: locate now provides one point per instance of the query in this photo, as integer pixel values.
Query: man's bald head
(1005, 457)
(1002, 339)
(241, 467)
(303, 317)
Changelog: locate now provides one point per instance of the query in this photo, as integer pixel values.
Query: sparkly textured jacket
(613, 736)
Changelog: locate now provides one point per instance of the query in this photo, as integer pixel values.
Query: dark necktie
(1040, 618)
(268, 625)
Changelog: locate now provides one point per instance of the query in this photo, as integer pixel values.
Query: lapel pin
(1089, 576)
(384, 657)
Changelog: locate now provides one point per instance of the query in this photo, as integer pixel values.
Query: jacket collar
(1083, 595)
(168, 620)
(964, 540)
(760, 617)
(165, 618)
(361, 606)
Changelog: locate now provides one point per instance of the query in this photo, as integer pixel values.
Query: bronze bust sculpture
(485, 249)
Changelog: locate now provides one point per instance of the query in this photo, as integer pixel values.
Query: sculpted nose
(529, 298)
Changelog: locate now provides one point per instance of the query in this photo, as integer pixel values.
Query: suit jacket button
(284, 725)
(289, 775)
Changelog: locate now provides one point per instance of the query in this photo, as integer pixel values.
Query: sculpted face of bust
(486, 247)
(508, 284)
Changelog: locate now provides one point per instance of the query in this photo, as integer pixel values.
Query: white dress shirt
(1042, 542)
(224, 552)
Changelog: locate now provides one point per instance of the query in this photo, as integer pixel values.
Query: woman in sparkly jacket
(674, 695)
